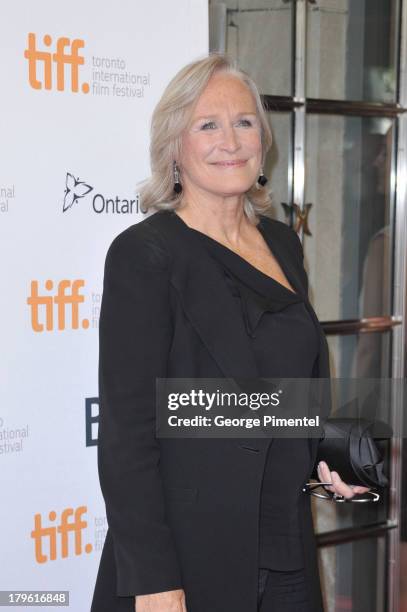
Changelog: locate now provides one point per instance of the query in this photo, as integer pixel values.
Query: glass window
(363, 355)
(344, 58)
(347, 180)
(259, 36)
(353, 576)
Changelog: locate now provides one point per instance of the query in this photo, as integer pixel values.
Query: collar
(254, 304)
(258, 292)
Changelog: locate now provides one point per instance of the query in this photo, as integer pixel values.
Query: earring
(262, 180)
(177, 184)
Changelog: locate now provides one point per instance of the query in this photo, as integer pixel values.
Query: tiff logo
(67, 293)
(60, 58)
(59, 532)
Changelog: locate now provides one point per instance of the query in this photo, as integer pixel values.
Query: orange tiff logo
(61, 58)
(71, 522)
(67, 293)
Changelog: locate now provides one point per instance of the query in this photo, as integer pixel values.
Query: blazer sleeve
(135, 332)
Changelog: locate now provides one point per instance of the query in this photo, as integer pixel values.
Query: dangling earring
(262, 180)
(177, 184)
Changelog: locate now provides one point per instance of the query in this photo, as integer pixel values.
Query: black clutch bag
(355, 448)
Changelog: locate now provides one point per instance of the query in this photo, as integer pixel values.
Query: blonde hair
(172, 116)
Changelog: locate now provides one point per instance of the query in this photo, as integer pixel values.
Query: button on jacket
(183, 513)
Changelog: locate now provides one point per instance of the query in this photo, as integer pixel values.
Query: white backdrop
(63, 155)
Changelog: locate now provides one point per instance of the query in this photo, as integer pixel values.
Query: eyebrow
(215, 116)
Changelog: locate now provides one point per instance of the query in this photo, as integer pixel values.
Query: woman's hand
(167, 601)
(338, 486)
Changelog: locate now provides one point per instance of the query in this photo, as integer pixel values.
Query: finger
(340, 487)
(359, 489)
(324, 474)
(355, 489)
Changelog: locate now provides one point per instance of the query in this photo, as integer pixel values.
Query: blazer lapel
(282, 254)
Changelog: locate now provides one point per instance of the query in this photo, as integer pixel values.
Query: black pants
(282, 591)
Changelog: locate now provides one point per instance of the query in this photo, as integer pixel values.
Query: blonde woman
(209, 286)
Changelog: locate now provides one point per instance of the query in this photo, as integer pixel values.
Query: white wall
(101, 139)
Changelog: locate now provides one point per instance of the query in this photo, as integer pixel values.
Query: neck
(221, 217)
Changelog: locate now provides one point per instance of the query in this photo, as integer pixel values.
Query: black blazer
(182, 513)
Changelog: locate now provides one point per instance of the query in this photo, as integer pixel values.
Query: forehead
(225, 90)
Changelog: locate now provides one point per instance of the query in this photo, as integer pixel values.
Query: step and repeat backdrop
(79, 81)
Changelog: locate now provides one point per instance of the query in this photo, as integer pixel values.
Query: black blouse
(282, 334)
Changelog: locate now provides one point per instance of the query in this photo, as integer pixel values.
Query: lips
(231, 163)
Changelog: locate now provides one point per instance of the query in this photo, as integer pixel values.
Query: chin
(231, 188)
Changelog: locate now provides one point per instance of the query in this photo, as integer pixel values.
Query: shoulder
(277, 227)
(284, 233)
(140, 244)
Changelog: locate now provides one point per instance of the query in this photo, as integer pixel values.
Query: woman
(210, 287)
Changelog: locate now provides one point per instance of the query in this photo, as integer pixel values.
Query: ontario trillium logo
(74, 191)
(100, 203)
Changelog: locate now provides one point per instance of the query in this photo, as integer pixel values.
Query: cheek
(196, 150)
(253, 142)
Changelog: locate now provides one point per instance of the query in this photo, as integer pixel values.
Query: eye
(245, 122)
(209, 125)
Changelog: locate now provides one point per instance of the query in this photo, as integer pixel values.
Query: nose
(230, 141)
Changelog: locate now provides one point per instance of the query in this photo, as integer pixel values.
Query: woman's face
(221, 148)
